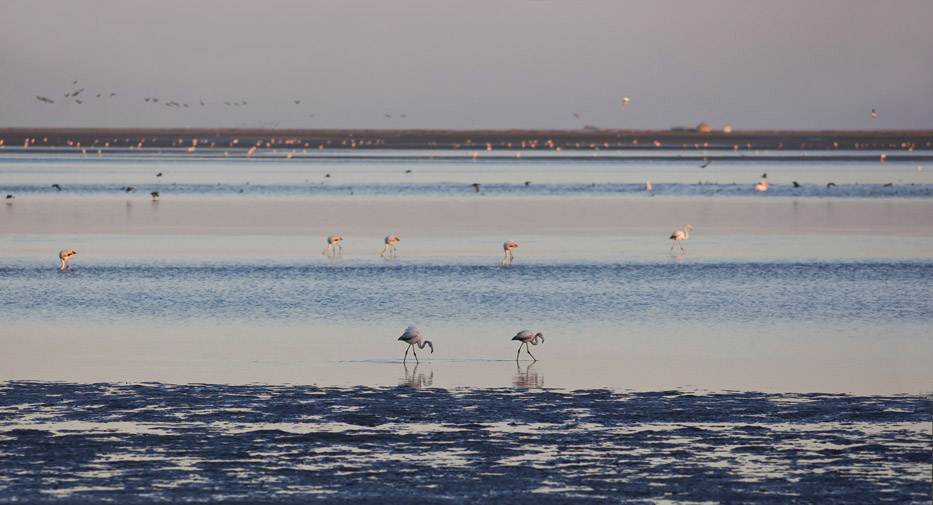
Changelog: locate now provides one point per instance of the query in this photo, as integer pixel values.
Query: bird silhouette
(333, 240)
(527, 337)
(412, 337)
(56, 186)
(507, 246)
(64, 255)
(679, 236)
(390, 241)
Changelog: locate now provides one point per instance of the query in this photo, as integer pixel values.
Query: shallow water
(201, 347)
(145, 443)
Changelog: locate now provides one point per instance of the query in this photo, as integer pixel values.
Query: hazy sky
(777, 64)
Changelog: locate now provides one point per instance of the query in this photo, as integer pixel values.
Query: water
(201, 347)
(146, 443)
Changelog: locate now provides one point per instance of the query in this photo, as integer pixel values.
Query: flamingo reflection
(416, 380)
(527, 378)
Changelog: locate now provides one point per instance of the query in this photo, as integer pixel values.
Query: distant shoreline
(471, 140)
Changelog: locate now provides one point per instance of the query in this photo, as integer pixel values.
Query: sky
(750, 64)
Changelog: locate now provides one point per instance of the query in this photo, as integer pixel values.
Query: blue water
(149, 443)
(555, 294)
(178, 368)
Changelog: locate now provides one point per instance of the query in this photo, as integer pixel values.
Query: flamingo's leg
(682, 249)
(406, 353)
(383, 253)
(341, 249)
(415, 353)
(519, 351)
(672, 248)
(325, 250)
(528, 348)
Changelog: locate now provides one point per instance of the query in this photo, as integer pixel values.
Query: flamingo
(678, 235)
(64, 255)
(762, 186)
(527, 337)
(331, 242)
(391, 240)
(412, 337)
(507, 246)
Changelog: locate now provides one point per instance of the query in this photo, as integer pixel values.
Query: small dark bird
(408, 171)
(796, 185)
(476, 186)
(10, 197)
(873, 113)
(705, 164)
(888, 185)
(326, 175)
(527, 183)
(155, 194)
(764, 175)
(297, 102)
(830, 184)
(159, 174)
(56, 186)
(129, 188)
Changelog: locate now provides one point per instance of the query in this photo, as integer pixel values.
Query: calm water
(241, 369)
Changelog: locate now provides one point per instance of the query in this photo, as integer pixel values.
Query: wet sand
(467, 217)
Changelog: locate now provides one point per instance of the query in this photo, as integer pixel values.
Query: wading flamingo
(507, 246)
(391, 240)
(333, 240)
(678, 235)
(412, 337)
(527, 337)
(64, 255)
(762, 186)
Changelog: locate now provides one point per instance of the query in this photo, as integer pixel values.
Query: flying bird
(678, 236)
(333, 240)
(527, 337)
(64, 255)
(391, 240)
(412, 337)
(507, 246)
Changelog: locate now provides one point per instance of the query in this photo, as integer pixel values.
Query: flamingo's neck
(686, 233)
(534, 341)
(426, 343)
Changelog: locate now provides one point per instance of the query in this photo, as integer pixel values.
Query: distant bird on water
(333, 240)
(678, 236)
(648, 186)
(64, 255)
(796, 184)
(412, 337)
(129, 188)
(507, 246)
(159, 174)
(154, 195)
(527, 337)
(762, 186)
(56, 186)
(830, 184)
(476, 186)
(391, 240)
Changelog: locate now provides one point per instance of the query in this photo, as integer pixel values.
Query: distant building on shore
(701, 128)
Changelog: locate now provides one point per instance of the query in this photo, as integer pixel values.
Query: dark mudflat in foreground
(146, 443)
